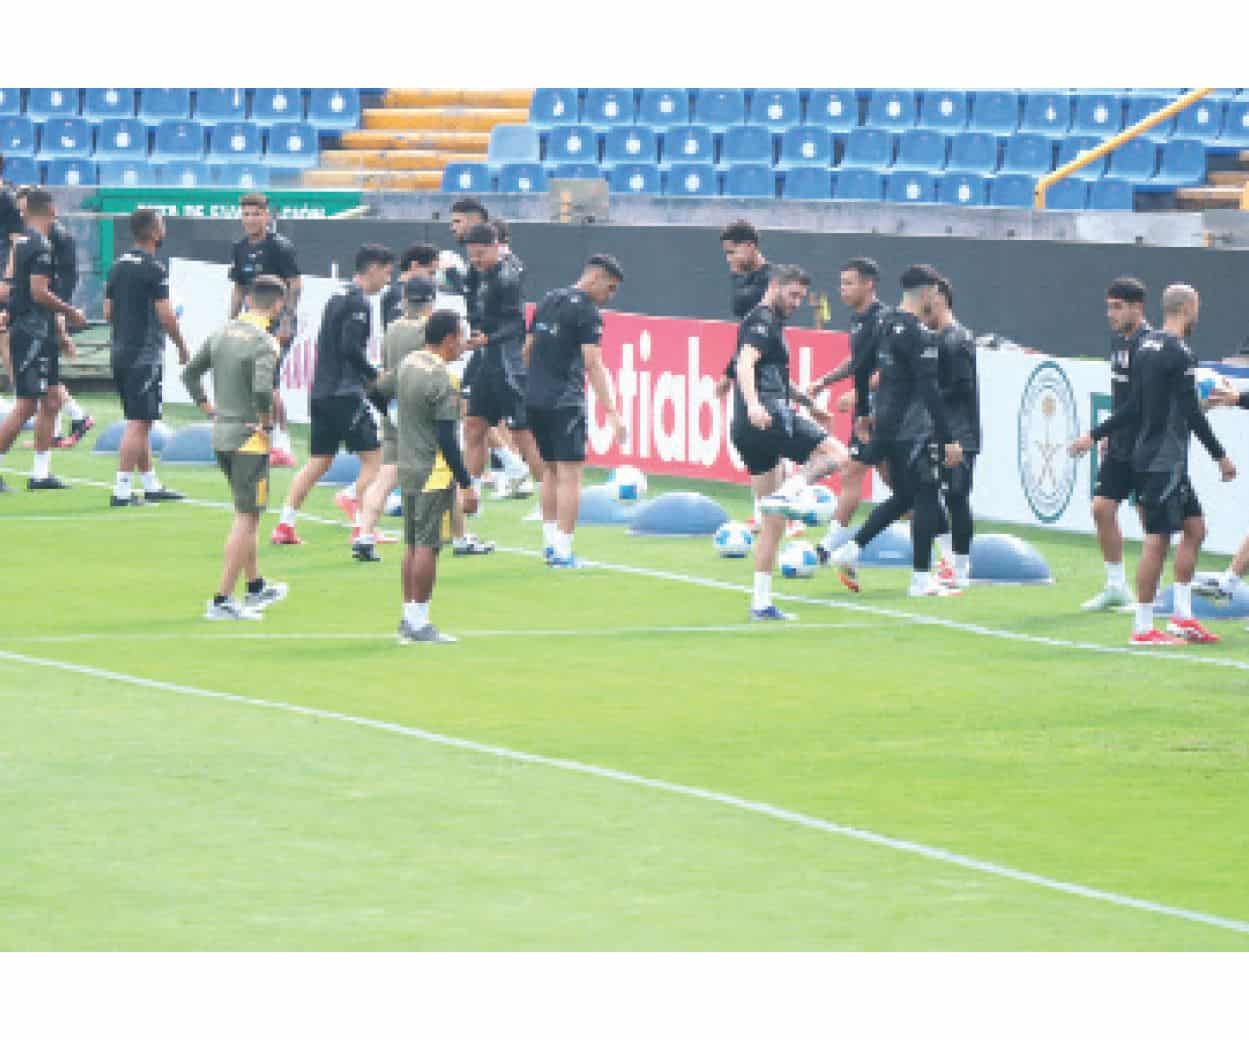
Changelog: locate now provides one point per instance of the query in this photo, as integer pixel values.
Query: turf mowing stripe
(571, 766)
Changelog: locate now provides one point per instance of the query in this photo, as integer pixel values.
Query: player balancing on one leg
(562, 347)
(242, 357)
(910, 432)
(340, 412)
(1163, 409)
(766, 429)
(429, 460)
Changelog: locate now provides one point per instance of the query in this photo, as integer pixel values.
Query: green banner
(222, 203)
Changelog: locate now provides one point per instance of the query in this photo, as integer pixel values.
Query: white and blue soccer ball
(733, 540)
(814, 506)
(394, 503)
(627, 483)
(1209, 380)
(798, 560)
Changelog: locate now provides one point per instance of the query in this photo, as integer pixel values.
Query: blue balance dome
(109, 441)
(890, 548)
(1005, 558)
(1207, 607)
(600, 506)
(190, 444)
(679, 512)
(343, 470)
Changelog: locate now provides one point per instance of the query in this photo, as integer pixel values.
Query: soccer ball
(1208, 380)
(628, 483)
(733, 540)
(814, 506)
(394, 503)
(798, 560)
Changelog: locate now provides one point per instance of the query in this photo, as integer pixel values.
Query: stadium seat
(511, 142)
(178, 139)
(471, 178)
(1201, 121)
(121, 139)
(65, 137)
(1134, 160)
(21, 169)
(1012, 189)
(220, 105)
(746, 144)
(277, 105)
(102, 103)
(972, 152)
(243, 175)
(921, 149)
(1047, 113)
(1070, 147)
(10, 101)
(994, 112)
(235, 142)
(1235, 135)
(775, 109)
(17, 136)
(43, 103)
(1028, 153)
(719, 109)
(691, 179)
(125, 173)
(868, 148)
(859, 185)
(891, 109)
(630, 144)
(943, 110)
(806, 146)
(962, 189)
(750, 180)
(291, 144)
(688, 144)
(1183, 165)
(1098, 114)
(552, 106)
(160, 104)
(522, 178)
(606, 107)
(572, 144)
(334, 108)
(835, 110)
(586, 171)
(1069, 193)
(184, 174)
(807, 182)
(1140, 106)
(910, 186)
(1109, 193)
(69, 173)
(633, 178)
(660, 107)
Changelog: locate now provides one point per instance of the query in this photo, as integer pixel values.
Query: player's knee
(1105, 512)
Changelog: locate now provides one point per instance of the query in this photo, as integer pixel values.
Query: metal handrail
(1111, 143)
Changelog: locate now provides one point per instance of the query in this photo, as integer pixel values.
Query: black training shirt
(748, 290)
(64, 261)
(956, 376)
(273, 254)
(565, 321)
(135, 284)
(764, 330)
(10, 219)
(1122, 351)
(908, 402)
(32, 255)
(342, 347)
(497, 308)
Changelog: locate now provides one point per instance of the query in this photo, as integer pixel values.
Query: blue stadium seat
(157, 104)
(1235, 135)
(184, 174)
(511, 142)
(69, 173)
(1110, 193)
(688, 144)
(835, 110)
(994, 112)
(943, 110)
(235, 142)
(246, 176)
(972, 152)
(776, 109)
(1134, 160)
(334, 108)
(1224, 93)
(469, 178)
(807, 182)
(572, 144)
(606, 107)
(963, 189)
(574, 171)
(806, 146)
(65, 137)
(1142, 105)
(17, 136)
(43, 103)
(522, 178)
(664, 106)
(277, 105)
(126, 173)
(10, 101)
(178, 139)
(121, 139)
(1069, 193)
(911, 186)
(102, 103)
(859, 185)
(1012, 189)
(866, 147)
(630, 144)
(1098, 114)
(719, 109)
(1201, 121)
(1028, 153)
(891, 109)
(291, 144)
(1073, 146)
(552, 106)
(220, 105)
(1183, 165)
(21, 169)
(632, 178)
(921, 149)
(691, 179)
(1046, 112)
(746, 144)
(750, 180)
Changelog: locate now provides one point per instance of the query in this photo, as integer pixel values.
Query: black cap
(418, 289)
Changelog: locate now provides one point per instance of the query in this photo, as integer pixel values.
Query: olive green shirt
(402, 338)
(242, 357)
(425, 393)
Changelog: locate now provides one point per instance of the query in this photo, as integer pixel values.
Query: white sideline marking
(702, 794)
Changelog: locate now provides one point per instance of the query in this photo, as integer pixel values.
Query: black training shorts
(495, 398)
(1167, 500)
(36, 363)
(345, 420)
(139, 387)
(560, 433)
(912, 464)
(1115, 479)
(790, 436)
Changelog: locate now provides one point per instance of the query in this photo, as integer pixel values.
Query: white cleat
(231, 610)
(931, 587)
(273, 592)
(1108, 599)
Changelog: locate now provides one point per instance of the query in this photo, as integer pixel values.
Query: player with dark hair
(747, 265)
(242, 357)
(1125, 311)
(417, 261)
(338, 407)
(1162, 410)
(263, 251)
(561, 349)
(910, 431)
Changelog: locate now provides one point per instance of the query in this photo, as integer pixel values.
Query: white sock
(477, 485)
(501, 482)
(762, 598)
(919, 579)
(548, 535)
(42, 465)
(1114, 576)
(945, 542)
(288, 516)
(1144, 617)
(962, 566)
(755, 499)
(1183, 606)
(563, 544)
(852, 551)
(150, 483)
(281, 440)
(364, 537)
(58, 424)
(416, 614)
(76, 414)
(1230, 581)
(121, 489)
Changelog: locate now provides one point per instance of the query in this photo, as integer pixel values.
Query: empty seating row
(131, 173)
(327, 108)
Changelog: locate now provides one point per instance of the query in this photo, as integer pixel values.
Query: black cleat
(365, 552)
(163, 495)
(133, 500)
(48, 483)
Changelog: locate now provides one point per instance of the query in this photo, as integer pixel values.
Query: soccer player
(404, 336)
(33, 344)
(242, 357)
(263, 251)
(910, 432)
(417, 261)
(765, 428)
(1231, 579)
(340, 412)
(562, 347)
(1163, 410)
(429, 460)
(747, 265)
(1125, 311)
(137, 303)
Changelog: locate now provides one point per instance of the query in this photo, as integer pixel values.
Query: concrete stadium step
(450, 98)
(474, 141)
(1222, 177)
(376, 180)
(441, 118)
(385, 159)
(1209, 196)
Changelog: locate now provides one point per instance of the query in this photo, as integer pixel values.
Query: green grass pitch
(153, 817)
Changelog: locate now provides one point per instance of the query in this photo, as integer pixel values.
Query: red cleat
(1190, 630)
(281, 459)
(945, 574)
(284, 534)
(1154, 637)
(347, 504)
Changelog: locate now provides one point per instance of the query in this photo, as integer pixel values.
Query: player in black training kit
(910, 432)
(417, 261)
(1163, 409)
(561, 348)
(10, 228)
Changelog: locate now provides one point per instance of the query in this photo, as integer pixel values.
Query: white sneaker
(273, 592)
(231, 610)
(846, 560)
(931, 586)
(834, 540)
(1108, 599)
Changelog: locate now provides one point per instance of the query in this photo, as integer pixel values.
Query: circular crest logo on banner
(1048, 422)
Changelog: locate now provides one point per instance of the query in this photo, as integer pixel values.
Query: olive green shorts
(390, 448)
(248, 474)
(427, 517)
